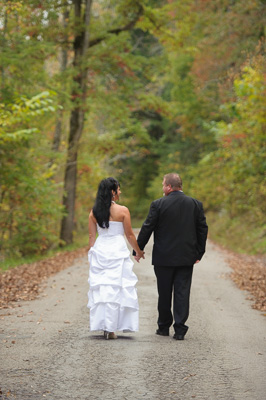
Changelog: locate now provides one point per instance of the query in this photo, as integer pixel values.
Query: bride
(113, 300)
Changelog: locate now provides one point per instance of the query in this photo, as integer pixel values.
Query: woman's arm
(130, 234)
(92, 229)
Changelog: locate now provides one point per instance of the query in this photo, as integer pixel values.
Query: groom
(180, 234)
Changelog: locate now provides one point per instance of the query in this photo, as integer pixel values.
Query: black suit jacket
(180, 230)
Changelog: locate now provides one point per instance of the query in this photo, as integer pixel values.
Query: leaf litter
(25, 282)
(249, 273)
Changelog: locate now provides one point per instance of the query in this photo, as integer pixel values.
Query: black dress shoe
(178, 337)
(162, 333)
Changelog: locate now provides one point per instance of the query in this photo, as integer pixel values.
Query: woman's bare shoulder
(123, 209)
(118, 212)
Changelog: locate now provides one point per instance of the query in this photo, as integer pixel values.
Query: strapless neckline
(115, 228)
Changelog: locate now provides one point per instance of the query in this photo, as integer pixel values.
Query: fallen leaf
(249, 273)
(25, 282)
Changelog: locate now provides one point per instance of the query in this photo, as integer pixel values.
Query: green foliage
(16, 260)
(29, 210)
(29, 206)
(233, 176)
(181, 91)
(20, 113)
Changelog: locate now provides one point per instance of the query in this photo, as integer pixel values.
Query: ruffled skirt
(113, 300)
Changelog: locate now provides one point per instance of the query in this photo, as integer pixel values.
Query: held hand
(139, 255)
(197, 261)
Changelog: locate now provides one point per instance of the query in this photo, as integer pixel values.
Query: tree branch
(116, 31)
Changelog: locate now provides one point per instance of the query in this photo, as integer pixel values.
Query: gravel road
(48, 352)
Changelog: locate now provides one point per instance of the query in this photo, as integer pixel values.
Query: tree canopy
(133, 89)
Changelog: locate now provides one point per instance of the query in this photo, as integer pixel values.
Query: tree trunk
(81, 44)
(3, 45)
(63, 66)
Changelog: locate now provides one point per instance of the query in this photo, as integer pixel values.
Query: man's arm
(202, 230)
(148, 226)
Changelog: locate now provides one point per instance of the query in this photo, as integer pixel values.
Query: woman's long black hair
(101, 208)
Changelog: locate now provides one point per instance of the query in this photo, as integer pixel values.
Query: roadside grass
(237, 234)
(137, 222)
(80, 240)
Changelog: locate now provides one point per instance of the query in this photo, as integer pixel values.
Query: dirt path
(48, 352)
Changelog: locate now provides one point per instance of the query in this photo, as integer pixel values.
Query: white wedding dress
(113, 300)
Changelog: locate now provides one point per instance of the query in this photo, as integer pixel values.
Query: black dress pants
(175, 280)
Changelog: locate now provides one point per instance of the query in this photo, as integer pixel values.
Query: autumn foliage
(170, 86)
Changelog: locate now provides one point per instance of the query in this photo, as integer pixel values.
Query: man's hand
(139, 255)
(197, 261)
